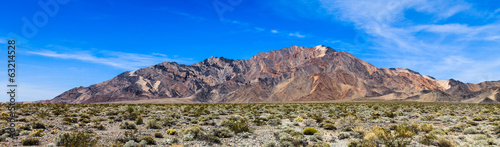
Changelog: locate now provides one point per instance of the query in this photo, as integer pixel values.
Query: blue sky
(73, 43)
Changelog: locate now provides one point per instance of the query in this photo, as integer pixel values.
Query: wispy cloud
(274, 31)
(447, 48)
(296, 34)
(128, 61)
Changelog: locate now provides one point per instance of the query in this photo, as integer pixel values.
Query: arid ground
(283, 124)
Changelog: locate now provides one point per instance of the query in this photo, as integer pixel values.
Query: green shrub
(149, 139)
(158, 135)
(153, 124)
(270, 144)
(470, 130)
(299, 119)
(428, 139)
(237, 124)
(343, 135)
(310, 131)
(362, 143)
(426, 128)
(37, 133)
(30, 141)
(139, 121)
(131, 143)
(76, 139)
(328, 125)
(38, 125)
(192, 132)
(222, 132)
(127, 125)
(171, 132)
(443, 142)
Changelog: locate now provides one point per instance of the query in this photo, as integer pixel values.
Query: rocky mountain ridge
(288, 75)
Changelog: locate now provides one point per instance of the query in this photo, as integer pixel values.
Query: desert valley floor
(270, 125)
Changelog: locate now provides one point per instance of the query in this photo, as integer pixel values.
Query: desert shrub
(4, 136)
(30, 141)
(309, 122)
(171, 132)
(69, 120)
(291, 137)
(437, 132)
(139, 121)
(426, 128)
(237, 124)
(84, 120)
(127, 125)
(76, 139)
(328, 125)
(427, 139)
(496, 130)
(222, 132)
(153, 124)
(318, 117)
(480, 137)
(473, 123)
(443, 142)
(158, 135)
(362, 143)
(470, 130)
(168, 121)
(428, 117)
(321, 144)
(270, 144)
(192, 132)
(37, 133)
(310, 131)
(478, 118)
(299, 119)
(343, 135)
(131, 143)
(212, 138)
(149, 140)
(38, 125)
(24, 132)
(274, 122)
(491, 141)
(390, 114)
(99, 126)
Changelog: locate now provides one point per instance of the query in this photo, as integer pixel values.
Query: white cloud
(296, 34)
(274, 31)
(259, 29)
(128, 61)
(445, 49)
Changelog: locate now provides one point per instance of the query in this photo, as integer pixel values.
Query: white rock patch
(445, 84)
(322, 50)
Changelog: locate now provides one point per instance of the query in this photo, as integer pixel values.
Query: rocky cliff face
(287, 75)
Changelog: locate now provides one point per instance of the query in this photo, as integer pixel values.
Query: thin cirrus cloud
(296, 34)
(426, 46)
(127, 61)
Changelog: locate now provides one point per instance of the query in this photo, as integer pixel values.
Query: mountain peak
(291, 74)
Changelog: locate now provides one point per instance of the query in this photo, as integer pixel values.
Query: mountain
(288, 75)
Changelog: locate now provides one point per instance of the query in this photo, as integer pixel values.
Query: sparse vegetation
(302, 124)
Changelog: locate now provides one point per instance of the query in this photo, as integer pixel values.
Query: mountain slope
(287, 75)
